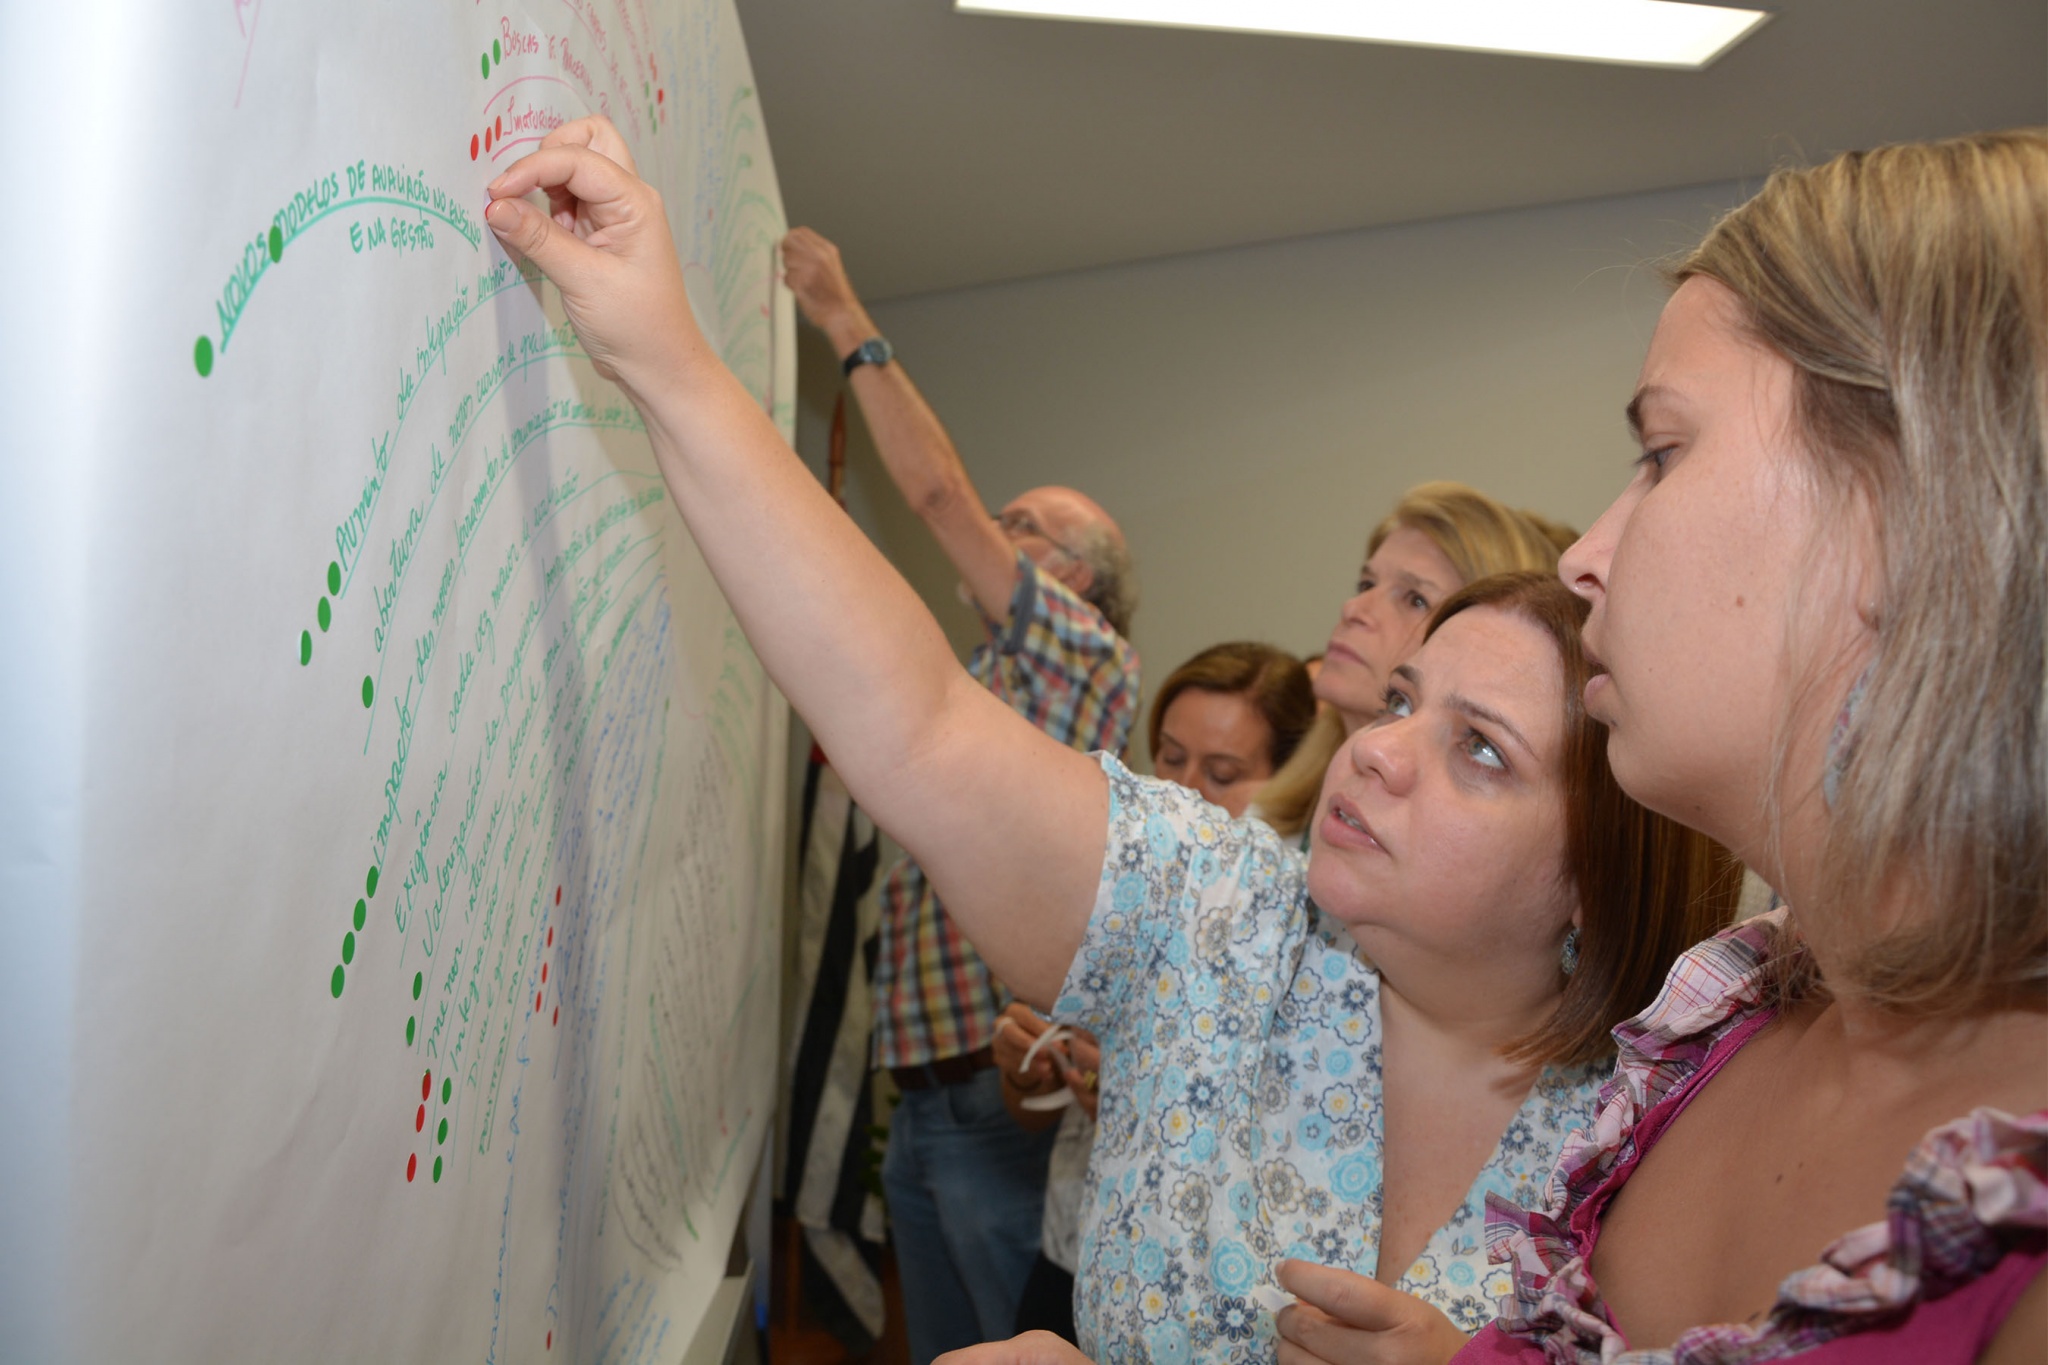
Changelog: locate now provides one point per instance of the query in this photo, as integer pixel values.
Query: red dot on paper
(487, 139)
(427, 1085)
(660, 95)
(536, 1002)
(420, 1119)
(551, 936)
(473, 145)
(543, 973)
(551, 1341)
(412, 1166)
(558, 898)
(558, 1017)
(498, 127)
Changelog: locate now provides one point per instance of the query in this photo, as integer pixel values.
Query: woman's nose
(1386, 750)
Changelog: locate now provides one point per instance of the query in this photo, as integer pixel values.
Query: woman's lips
(1344, 826)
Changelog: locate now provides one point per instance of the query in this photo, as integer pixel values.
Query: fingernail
(500, 214)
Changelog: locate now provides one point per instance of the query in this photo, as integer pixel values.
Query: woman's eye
(1365, 585)
(1652, 462)
(1418, 601)
(1398, 703)
(1481, 750)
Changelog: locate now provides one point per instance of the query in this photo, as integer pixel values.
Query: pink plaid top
(1060, 665)
(1972, 1192)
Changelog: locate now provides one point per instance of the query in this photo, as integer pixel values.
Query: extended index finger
(1348, 1297)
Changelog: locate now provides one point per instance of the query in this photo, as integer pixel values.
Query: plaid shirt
(1971, 1190)
(1062, 667)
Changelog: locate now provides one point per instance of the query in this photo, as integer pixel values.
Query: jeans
(966, 1190)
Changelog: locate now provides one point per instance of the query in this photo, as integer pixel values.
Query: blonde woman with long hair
(1438, 538)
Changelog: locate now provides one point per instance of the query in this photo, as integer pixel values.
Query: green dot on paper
(305, 647)
(369, 691)
(362, 913)
(447, 1088)
(333, 578)
(348, 947)
(410, 1024)
(335, 984)
(486, 63)
(276, 244)
(325, 613)
(497, 53)
(442, 1135)
(419, 979)
(437, 1170)
(370, 883)
(202, 356)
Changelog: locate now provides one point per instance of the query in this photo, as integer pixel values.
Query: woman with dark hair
(1225, 720)
(1336, 1060)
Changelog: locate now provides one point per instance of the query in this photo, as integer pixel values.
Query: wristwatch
(873, 351)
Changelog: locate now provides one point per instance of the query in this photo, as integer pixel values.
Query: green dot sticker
(442, 1135)
(370, 883)
(447, 1088)
(305, 648)
(419, 979)
(325, 613)
(362, 913)
(410, 1024)
(276, 244)
(202, 356)
(487, 65)
(335, 984)
(437, 1170)
(348, 947)
(369, 691)
(333, 579)
(497, 53)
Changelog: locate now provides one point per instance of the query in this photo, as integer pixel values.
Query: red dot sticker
(543, 973)
(558, 895)
(420, 1119)
(551, 1340)
(487, 139)
(660, 95)
(536, 1002)
(498, 127)
(412, 1167)
(472, 146)
(558, 1017)
(551, 936)
(427, 1085)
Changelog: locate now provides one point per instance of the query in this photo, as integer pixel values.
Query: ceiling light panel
(1630, 32)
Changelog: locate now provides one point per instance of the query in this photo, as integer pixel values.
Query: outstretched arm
(914, 447)
(1009, 824)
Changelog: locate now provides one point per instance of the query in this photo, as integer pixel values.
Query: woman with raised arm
(1343, 1078)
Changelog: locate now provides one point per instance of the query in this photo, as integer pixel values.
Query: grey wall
(1249, 414)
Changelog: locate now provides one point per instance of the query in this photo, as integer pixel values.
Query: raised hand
(606, 246)
(815, 274)
(1345, 1319)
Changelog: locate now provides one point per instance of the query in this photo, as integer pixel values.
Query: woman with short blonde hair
(1444, 535)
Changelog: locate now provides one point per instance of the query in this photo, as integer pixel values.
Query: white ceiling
(943, 150)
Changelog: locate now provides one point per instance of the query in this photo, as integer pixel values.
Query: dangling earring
(1568, 958)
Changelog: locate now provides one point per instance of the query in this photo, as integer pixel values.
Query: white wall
(1247, 415)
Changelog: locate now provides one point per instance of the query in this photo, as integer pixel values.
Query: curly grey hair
(1113, 579)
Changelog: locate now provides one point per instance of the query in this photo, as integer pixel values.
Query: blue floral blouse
(1240, 1118)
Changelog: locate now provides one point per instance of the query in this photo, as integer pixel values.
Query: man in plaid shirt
(1052, 580)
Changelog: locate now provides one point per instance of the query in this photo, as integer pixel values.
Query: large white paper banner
(403, 815)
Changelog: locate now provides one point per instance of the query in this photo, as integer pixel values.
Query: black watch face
(874, 351)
